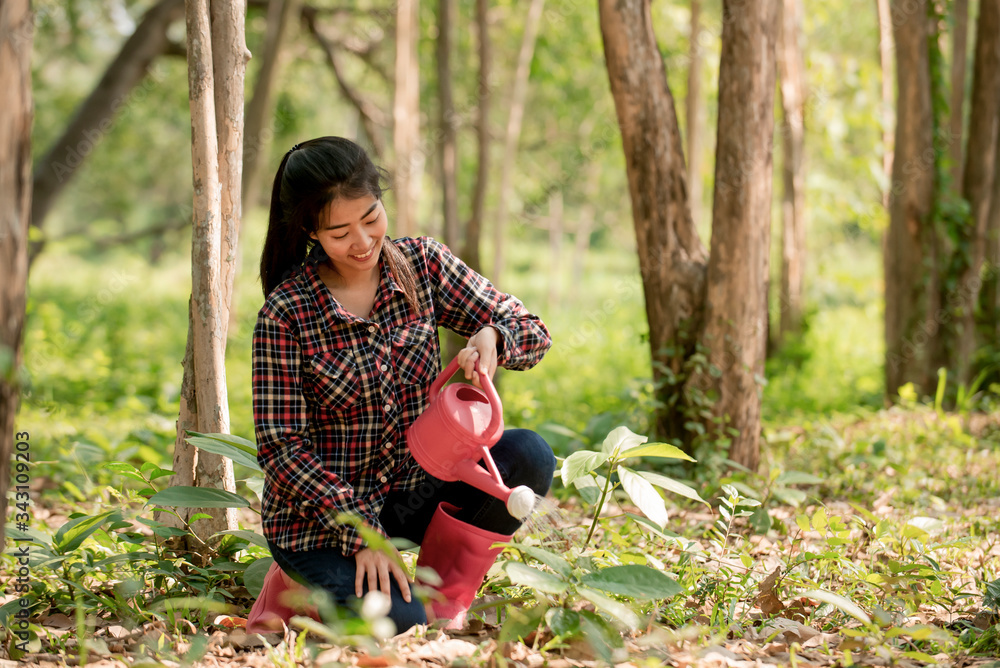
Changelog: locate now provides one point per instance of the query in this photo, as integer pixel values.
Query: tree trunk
(885, 48)
(908, 289)
(960, 31)
(16, 36)
(406, 117)
(736, 300)
(474, 229)
(448, 146)
(977, 185)
(695, 121)
(671, 256)
(518, 96)
(217, 58)
(94, 118)
(793, 217)
(989, 295)
(259, 131)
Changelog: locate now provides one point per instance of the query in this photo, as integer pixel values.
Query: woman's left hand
(481, 349)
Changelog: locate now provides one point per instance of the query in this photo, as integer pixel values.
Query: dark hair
(311, 176)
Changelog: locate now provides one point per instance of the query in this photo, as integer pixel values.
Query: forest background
(548, 215)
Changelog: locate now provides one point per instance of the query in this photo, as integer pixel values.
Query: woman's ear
(312, 235)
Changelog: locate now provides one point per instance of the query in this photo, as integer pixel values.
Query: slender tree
(16, 36)
(909, 290)
(519, 94)
(887, 117)
(217, 57)
(959, 32)
(406, 117)
(473, 231)
(695, 105)
(448, 146)
(793, 219)
(672, 258)
(735, 328)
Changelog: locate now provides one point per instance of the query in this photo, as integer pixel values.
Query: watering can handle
(484, 380)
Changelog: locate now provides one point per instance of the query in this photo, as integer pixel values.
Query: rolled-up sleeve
(465, 302)
(284, 449)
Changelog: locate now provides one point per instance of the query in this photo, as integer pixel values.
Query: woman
(344, 352)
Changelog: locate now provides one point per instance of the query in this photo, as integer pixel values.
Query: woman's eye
(343, 236)
(372, 221)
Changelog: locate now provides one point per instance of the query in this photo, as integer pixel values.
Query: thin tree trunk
(736, 301)
(519, 95)
(671, 255)
(448, 146)
(473, 230)
(695, 121)
(16, 36)
(989, 295)
(977, 186)
(885, 48)
(406, 117)
(793, 218)
(259, 132)
(908, 288)
(217, 58)
(960, 31)
(94, 118)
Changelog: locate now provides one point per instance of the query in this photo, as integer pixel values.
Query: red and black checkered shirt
(333, 394)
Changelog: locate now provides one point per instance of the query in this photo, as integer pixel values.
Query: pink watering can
(458, 428)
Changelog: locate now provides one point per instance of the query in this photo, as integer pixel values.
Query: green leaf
(72, 534)
(798, 478)
(250, 536)
(991, 599)
(550, 559)
(644, 495)
(600, 636)
(665, 534)
(672, 485)
(589, 488)
(520, 623)
(760, 520)
(621, 438)
(527, 576)
(633, 580)
(608, 605)
(563, 622)
(240, 450)
(253, 576)
(839, 602)
(793, 497)
(581, 463)
(657, 450)
(182, 496)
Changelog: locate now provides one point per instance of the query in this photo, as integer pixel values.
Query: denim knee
(527, 459)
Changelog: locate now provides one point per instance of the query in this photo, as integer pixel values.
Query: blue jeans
(522, 457)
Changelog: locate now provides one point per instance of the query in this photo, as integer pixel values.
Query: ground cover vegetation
(868, 535)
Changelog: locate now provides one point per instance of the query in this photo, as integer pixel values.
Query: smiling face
(351, 232)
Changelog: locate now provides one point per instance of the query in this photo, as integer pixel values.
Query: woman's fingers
(401, 580)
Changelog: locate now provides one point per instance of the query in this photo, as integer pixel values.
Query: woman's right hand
(376, 566)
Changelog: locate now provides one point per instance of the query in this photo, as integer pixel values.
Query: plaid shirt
(333, 394)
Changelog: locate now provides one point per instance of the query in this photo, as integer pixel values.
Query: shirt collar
(330, 309)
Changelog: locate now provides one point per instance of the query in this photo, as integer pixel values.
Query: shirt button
(384, 479)
(388, 407)
(384, 368)
(371, 329)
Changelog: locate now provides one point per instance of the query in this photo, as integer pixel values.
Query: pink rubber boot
(462, 555)
(273, 608)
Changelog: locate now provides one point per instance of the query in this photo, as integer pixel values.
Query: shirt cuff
(506, 345)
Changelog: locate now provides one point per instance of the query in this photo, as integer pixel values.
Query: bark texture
(672, 258)
(959, 47)
(695, 106)
(909, 302)
(736, 300)
(448, 146)
(989, 296)
(95, 116)
(885, 48)
(16, 36)
(406, 117)
(977, 183)
(791, 66)
(473, 231)
(512, 135)
(217, 57)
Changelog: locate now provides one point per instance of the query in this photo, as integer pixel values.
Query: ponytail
(286, 243)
